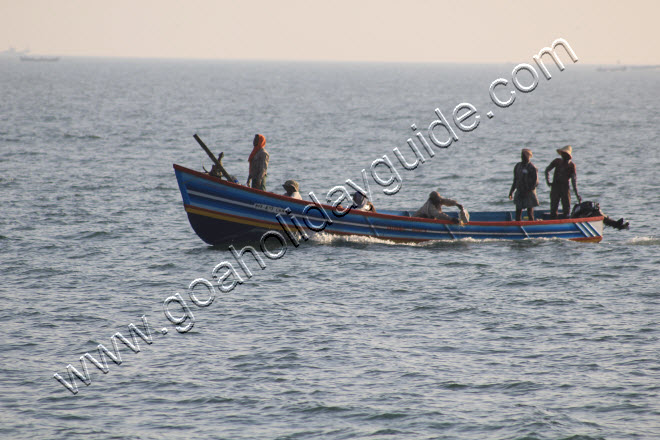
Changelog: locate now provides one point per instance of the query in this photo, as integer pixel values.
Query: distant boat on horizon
(12, 52)
(24, 55)
(612, 69)
(39, 58)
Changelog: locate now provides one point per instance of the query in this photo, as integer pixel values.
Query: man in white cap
(291, 187)
(560, 190)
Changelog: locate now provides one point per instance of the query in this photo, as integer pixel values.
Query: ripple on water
(344, 337)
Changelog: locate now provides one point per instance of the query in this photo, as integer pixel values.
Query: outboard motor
(586, 209)
(592, 209)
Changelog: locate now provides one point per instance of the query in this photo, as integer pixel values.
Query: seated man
(217, 171)
(362, 203)
(291, 187)
(433, 208)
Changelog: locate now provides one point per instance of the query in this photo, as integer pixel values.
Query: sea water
(341, 338)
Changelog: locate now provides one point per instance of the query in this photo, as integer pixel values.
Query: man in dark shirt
(525, 181)
(560, 190)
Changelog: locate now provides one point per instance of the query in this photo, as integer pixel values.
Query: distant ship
(38, 58)
(612, 69)
(24, 55)
(13, 53)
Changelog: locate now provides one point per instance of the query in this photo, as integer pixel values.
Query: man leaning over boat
(433, 208)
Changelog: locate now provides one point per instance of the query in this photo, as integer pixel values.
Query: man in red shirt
(258, 163)
(560, 190)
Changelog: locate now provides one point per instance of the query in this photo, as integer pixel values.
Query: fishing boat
(220, 211)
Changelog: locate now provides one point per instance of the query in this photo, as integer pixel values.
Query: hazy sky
(355, 30)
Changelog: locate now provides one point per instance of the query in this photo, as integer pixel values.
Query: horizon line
(299, 60)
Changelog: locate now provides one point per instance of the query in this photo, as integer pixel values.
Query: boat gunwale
(381, 215)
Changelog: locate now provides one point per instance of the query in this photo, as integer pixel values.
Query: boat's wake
(333, 239)
(645, 241)
(330, 239)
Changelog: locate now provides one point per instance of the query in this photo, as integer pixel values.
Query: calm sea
(341, 338)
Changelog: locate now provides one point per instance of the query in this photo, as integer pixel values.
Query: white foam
(325, 238)
(645, 241)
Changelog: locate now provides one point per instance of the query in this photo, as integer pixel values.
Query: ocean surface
(342, 338)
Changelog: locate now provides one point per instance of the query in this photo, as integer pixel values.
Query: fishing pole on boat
(215, 160)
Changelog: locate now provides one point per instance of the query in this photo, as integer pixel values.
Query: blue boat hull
(221, 212)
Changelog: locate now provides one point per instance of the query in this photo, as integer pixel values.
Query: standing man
(525, 181)
(564, 171)
(258, 163)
